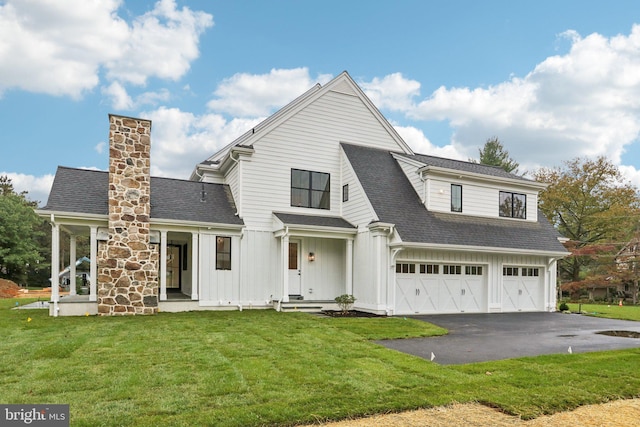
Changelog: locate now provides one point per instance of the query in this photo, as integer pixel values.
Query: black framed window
(345, 193)
(223, 253)
(509, 271)
(310, 189)
(513, 205)
(456, 198)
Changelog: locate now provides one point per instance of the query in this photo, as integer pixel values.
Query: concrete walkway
(482, 337)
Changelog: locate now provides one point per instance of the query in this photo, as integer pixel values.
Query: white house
(321, 199)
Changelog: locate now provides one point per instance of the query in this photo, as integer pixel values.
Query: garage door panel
(428, 293)
(473, 294)
(522, 293)
(450, 300)
(405, 294)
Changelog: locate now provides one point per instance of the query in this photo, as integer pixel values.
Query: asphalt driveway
(482, 337)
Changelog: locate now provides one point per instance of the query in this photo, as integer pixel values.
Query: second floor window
(456, 198)
(513, 205)
(310, 189)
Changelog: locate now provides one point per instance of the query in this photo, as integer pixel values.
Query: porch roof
(395, 201)
(314, 221)
(87, 192)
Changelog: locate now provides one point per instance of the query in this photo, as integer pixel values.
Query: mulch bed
(350, 313)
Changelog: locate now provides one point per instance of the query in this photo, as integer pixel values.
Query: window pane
(456, 198)
(223, 253)
(299, 179)
(299, 198)
(505, 204)
(345, 192)
(293, 256)
(519, 206)
(319, 181)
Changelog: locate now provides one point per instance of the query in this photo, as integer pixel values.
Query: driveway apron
(482, 337)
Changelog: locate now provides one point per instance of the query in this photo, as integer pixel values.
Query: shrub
(345, 302)
(563, 307)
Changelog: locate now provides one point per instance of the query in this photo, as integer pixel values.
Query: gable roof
(86, 192)
(395, 201)
(341, 83)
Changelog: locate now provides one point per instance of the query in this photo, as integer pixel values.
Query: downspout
(55, 283)
(424, 187)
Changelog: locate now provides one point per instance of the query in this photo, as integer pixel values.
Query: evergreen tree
(494, 154)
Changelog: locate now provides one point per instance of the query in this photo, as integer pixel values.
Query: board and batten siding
(309, 140)
(219, 287)
(261, 274)
(324, 278)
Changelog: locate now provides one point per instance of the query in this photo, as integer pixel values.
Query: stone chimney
(128, 261)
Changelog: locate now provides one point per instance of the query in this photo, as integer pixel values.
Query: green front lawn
(265, 368)
(613, 311)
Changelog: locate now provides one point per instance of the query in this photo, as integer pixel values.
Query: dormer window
(513, 205)
(310, 189)
(456, 198)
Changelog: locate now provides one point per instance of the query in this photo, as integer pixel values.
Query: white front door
(295, 283)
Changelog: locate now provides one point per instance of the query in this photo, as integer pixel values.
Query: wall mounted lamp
(312, 257)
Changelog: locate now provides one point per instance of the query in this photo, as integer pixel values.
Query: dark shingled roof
(314, 220)
(86, 191)
(395, 201)
(463, 166)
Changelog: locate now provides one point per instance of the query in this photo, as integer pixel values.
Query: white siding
(357, 210)
(261, 268)
(477, 199)
(324, 278)
(220, 287)
(310, 141)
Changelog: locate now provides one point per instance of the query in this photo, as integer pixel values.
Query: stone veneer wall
(127, 261)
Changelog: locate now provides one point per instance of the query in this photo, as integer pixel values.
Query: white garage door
(522, 289)
(440, 288)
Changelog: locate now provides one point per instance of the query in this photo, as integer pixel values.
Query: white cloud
(181, 139)
(120, 99)
(585, 102)
(420, 144)
(60, 48)
(38, 187)
(392, 92)
(254, 95)
(100, 146)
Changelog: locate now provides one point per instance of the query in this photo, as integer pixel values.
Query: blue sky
(553, 80)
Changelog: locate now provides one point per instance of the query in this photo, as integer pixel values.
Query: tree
(590, 203)
(494, 154)
(19, 228)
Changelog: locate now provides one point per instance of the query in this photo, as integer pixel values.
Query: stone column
(128, 262)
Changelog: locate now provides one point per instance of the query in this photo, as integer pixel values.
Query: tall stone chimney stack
(128, 261)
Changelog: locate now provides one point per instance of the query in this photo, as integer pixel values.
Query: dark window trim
(326, 192)
(453, 207)
(221, 262)
(345, 193)
(512, 212)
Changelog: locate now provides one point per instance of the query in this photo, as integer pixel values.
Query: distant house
(321, 199)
